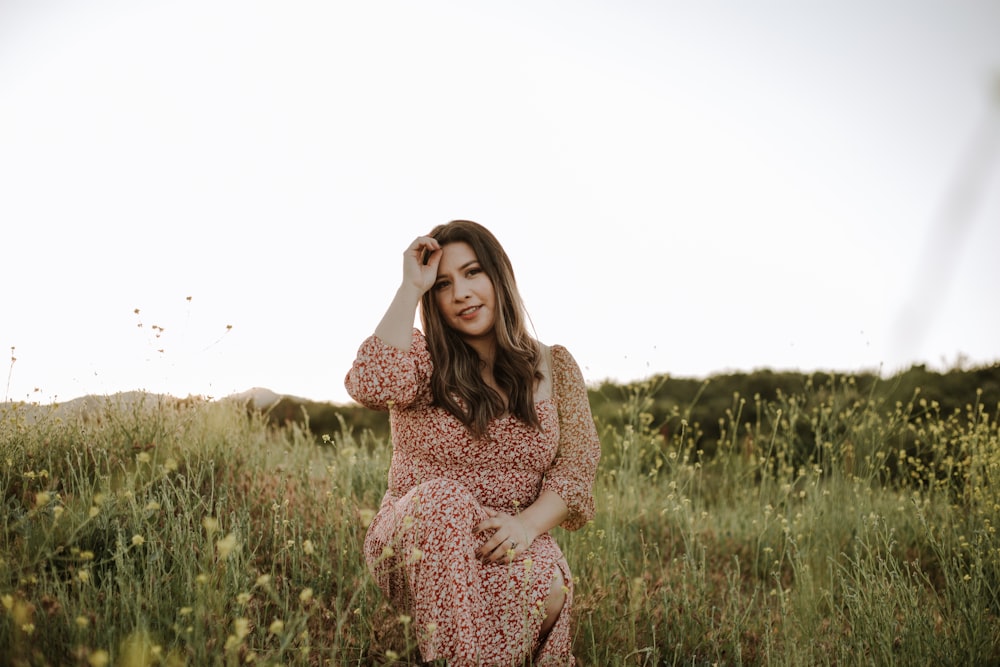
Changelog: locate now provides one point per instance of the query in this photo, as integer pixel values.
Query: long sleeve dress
(420, 545)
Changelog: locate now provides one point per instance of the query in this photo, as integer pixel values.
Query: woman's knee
(439, 489)
(440, 505)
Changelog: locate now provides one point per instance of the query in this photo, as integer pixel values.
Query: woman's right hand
(420, 263)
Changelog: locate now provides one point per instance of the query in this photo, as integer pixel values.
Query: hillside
(701, 402)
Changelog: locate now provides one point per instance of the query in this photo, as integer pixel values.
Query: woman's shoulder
(559, 354)
(562, 367)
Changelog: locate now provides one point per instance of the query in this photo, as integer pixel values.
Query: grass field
(828, 528)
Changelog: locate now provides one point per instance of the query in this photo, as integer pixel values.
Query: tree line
(710, 409)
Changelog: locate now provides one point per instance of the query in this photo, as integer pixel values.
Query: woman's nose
(462, 291)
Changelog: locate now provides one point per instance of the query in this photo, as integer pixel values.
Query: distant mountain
(259, 398)
(84, 405)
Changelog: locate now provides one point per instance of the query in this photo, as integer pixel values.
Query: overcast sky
(683, 188)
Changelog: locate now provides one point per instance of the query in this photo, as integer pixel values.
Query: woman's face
(463, 292)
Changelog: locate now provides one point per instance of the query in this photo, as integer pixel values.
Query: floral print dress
(420, 545)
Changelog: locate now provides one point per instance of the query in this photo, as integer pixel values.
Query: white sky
(683, 188)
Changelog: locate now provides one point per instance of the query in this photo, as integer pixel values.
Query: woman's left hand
(511, 537)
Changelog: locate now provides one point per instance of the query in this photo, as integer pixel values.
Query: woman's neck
(486, 349)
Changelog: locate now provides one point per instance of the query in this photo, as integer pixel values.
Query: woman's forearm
(547, 512)
(396, 326)
(420, 264)
(518, 531)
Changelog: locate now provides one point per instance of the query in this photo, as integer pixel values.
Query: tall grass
(821, 528)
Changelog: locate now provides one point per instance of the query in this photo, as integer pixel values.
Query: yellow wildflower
(99, 658)
(226, 545)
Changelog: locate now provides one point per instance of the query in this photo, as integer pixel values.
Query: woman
(493, 446)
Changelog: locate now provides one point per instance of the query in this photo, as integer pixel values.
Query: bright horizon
(683, 189)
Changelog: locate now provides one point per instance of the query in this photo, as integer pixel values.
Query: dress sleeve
(572, 472)
(383, 375)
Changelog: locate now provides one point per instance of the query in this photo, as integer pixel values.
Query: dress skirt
(421, 551)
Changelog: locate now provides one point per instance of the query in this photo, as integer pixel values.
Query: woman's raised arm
(420, 264)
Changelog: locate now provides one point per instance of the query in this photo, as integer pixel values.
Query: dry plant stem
(10, 375)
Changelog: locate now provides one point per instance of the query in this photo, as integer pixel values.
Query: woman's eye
(473, 272)
(440, 286)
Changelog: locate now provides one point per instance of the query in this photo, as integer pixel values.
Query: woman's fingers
(489, 550)
(420, 262)
(426, 241)
(423, 247)
(495, 521)
(503, 549)
(503, 544)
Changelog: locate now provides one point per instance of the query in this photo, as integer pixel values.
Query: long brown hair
(456, 382)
